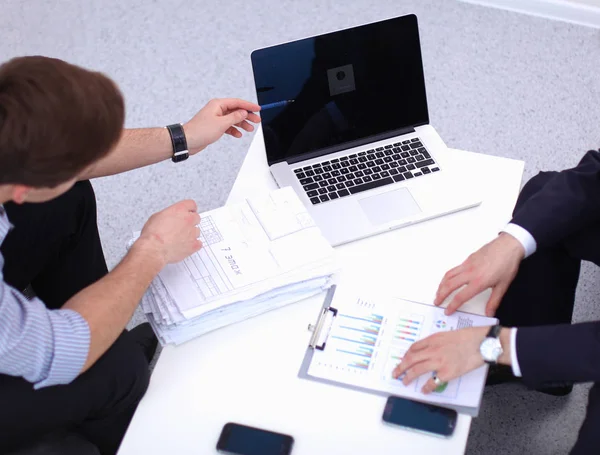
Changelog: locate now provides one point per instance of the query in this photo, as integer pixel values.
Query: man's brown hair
(55, 120)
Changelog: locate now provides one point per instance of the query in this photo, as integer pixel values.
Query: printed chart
(368, 339)
(406, 330)
(355, 339)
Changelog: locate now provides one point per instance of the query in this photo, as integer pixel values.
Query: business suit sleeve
(555, 354)
(568, 202)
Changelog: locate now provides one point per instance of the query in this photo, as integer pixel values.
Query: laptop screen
(339, 90)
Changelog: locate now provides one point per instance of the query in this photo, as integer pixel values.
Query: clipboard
(318, 342)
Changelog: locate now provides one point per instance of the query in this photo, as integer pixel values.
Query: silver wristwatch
(490, 347)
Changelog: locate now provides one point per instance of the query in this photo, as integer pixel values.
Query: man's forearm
(108, 304)
(566, 203)
(136, 148)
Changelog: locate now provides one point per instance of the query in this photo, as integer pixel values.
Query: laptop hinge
(349, 145)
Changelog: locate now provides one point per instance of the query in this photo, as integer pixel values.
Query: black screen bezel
(451, 414)
(409, 20)
(228, 427)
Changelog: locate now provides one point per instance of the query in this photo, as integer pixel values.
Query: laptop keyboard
(341, 177)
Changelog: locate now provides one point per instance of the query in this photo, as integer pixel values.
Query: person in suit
(532, 268)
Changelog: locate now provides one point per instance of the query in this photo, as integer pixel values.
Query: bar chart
(366, 340)
(393, 360)
(354, 338)
(408, 328)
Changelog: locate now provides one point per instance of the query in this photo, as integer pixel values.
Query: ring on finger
(439, 384)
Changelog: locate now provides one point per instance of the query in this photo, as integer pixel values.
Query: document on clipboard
(360, 337)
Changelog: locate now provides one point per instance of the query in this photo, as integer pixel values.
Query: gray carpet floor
(499, 83)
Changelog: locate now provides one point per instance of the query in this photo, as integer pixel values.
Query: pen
(277, 104)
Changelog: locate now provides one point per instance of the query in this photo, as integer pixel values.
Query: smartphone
(421, 417)
(243, 440)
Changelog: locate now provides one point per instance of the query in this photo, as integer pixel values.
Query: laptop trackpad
(387, 207)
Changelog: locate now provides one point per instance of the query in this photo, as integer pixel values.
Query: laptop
(345, 123)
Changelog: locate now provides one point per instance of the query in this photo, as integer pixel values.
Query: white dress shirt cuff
(523, 236)
(513, 353)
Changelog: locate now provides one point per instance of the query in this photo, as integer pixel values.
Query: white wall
(587, 2)
(582, 12)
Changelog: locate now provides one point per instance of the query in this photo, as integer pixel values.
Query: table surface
(247, 372)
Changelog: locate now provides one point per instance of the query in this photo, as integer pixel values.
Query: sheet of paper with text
(370, 335)
(258, 255)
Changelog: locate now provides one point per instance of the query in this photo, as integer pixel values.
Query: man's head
(56, 120)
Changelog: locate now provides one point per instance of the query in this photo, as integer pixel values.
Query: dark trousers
(56, 249)
(543, 293)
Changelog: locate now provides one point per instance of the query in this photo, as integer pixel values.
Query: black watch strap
(180, 148)
(494, 331)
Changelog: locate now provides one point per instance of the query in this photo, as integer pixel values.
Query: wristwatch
(180, 148)
(490, 347)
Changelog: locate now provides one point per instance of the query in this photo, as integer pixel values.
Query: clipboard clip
(327, 314)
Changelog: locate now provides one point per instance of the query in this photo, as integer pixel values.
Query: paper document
(247, 249)
(369, 336)
(253, 254)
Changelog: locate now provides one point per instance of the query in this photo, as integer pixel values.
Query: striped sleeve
(45, 347)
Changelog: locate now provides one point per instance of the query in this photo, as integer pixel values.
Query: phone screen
(420, 416)
(244, 440)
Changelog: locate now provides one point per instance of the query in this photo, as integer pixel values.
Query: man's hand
(172, 234)
(448, 354)
(218, 117)
(107, 305)
(494, 265)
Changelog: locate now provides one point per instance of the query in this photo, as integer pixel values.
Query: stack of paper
(256, 256)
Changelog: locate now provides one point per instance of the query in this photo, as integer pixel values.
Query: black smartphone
(243, 440)
(421, 417)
